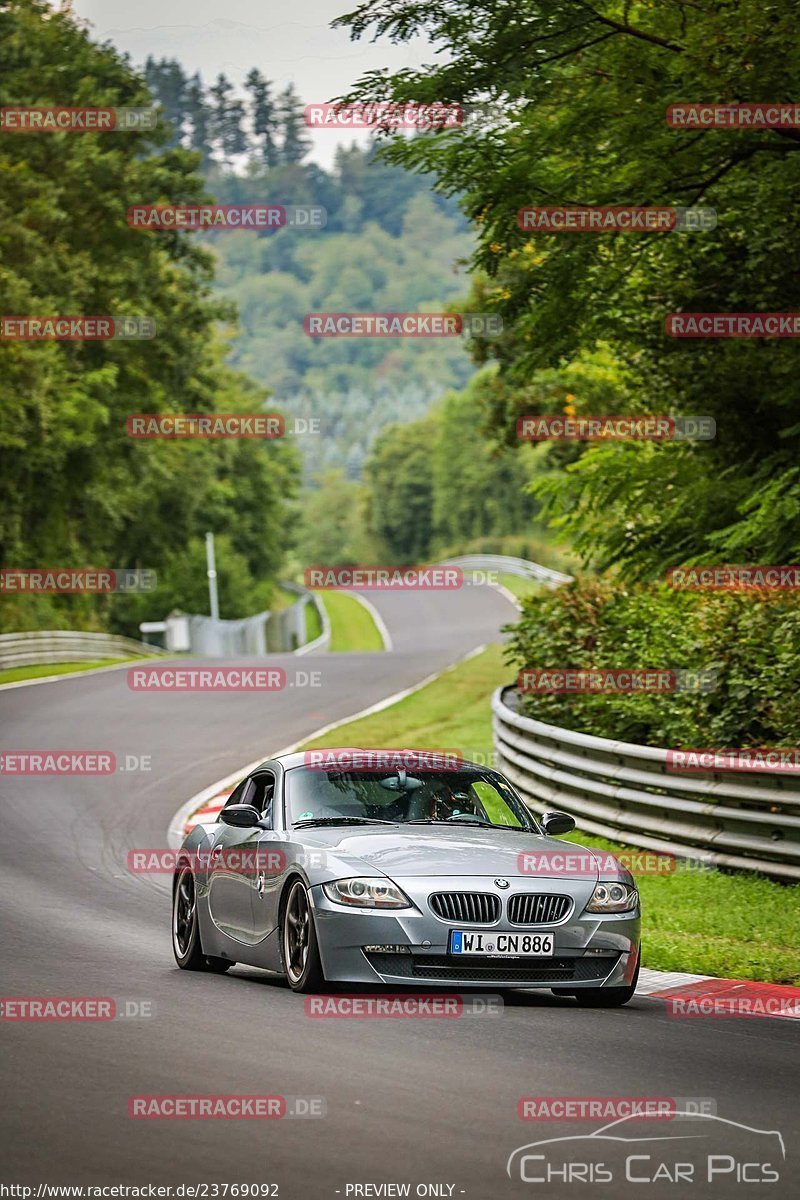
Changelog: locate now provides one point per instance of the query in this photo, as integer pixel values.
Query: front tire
(186, 928)
(302, 965)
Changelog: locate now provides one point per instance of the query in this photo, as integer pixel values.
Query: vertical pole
(212, 576)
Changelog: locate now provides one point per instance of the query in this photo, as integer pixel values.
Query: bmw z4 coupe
(404, 868)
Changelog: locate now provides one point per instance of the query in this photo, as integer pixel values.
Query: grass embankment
(43, 670)
(352, 626)
(740, 925)
(519, 587)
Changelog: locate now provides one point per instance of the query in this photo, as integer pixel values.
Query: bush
(753, 640)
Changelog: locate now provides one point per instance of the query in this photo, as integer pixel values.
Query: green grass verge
(741, 925)
(521, 588)
(352, 626)
(15, 674)
(281, 598)
(313, 623)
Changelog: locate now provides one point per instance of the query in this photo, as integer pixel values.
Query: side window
(237, 793)
(266, 791)
(493, 804)
(256, 790)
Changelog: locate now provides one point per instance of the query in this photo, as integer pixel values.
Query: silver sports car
(402, 867)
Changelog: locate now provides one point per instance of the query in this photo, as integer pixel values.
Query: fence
(65, 646)
(622, 791)
(275, 632)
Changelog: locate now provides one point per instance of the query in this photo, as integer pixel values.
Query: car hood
(424, 850)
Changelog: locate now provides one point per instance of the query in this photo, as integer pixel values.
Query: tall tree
(229, 135)
(200, 119)
(400, 497)
(263, 117)
(75, 488)
(555, 72)
(295, 143)
(166, 79)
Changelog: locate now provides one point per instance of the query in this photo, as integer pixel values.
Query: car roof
(299, 758)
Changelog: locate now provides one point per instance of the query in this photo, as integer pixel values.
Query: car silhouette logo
(501, 883)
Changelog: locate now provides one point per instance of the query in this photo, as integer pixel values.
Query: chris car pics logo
(695, 1148)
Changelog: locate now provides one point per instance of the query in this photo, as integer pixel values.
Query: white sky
(231, 37)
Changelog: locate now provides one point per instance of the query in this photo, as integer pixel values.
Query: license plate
(501, 945)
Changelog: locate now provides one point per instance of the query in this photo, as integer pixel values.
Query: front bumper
(589, 950)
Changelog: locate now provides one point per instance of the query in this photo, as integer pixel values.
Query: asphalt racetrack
(408, 1101)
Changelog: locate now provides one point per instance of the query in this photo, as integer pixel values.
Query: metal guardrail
(623, 791)
(65, 645)
(278, 631)
(322, 642)
(511, 566)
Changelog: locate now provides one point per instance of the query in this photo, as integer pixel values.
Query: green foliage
(477, 491)
(753, 641)
(355, 386)
(437, 486)
(75, 490)
(332, 526)
(400, 491)
(577, 99)
(388, 244)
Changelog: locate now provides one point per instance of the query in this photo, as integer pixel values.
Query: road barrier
(66, 646)
(270, 632)
(505, 564)
(623, 791)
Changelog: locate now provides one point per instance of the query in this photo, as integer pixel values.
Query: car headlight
(366, 893)
(613, 898)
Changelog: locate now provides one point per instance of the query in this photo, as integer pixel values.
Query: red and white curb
(708, 996)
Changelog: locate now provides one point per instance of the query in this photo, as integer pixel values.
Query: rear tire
(300, 958)
(186, 928)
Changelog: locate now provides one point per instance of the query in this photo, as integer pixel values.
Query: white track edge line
(380, 624)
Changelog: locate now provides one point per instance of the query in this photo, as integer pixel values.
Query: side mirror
(244, 816)
(556, 822)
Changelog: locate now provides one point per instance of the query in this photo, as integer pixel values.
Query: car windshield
(463, 797)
